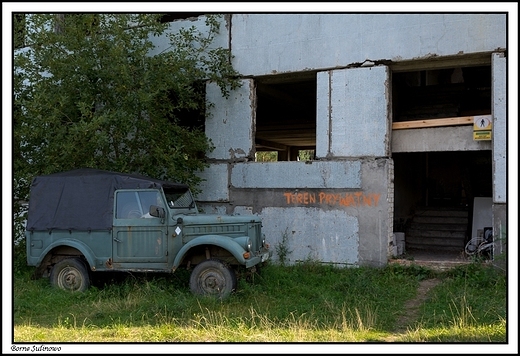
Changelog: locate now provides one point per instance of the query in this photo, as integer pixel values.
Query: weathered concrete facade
(499, 77)
(339, 207)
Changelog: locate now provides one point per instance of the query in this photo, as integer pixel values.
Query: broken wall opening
(193, 116)
(435, 189)
(434, 195)
(286, 117)
(441, 93)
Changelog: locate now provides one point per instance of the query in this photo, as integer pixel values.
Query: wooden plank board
(453, 121)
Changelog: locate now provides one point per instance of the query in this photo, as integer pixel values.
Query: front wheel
(70, 274)
(213, 278)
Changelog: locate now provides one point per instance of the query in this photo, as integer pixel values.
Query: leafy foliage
(88, 94)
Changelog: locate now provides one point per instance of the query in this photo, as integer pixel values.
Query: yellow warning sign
(481, 135)
(482, 123)
(482, 128)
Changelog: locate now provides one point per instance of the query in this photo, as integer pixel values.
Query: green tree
(87, 93)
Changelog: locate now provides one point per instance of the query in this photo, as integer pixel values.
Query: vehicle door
(139, 239)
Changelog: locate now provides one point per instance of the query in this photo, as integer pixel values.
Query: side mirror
(157, 211)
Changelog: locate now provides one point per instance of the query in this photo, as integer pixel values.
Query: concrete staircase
(437, 228)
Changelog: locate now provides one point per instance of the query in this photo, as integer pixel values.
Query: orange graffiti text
(343, 199)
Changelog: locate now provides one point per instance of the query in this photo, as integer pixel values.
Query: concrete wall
(339, 208)
(230, 125)
(162, 43)
(332, 211)
(353, 113)
(279, 43)
(499, 98)
(454, 138)
(267, 44)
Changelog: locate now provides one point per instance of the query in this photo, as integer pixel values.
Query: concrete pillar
(499, 147)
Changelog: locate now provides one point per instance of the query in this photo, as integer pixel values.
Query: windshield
(179, 198)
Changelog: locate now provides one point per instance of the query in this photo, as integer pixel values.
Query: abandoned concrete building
(388, 132)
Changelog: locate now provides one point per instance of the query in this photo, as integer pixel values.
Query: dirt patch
(411, 308)
(433, 265)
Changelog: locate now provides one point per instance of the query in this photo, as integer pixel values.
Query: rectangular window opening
(441, 93)
(286, 117)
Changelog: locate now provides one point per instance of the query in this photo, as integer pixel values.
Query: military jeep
(86, 221)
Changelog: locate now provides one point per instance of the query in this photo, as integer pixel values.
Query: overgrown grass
(303, 303)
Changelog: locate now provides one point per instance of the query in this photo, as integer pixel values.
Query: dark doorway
(434, 193)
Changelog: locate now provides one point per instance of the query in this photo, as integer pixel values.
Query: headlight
(245, 242)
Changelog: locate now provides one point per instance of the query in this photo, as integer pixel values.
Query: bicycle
(480, 245)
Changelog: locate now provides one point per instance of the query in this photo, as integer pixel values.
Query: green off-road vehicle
(87, 220)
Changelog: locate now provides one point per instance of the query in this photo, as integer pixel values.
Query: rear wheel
(70, 274)
(213, 278)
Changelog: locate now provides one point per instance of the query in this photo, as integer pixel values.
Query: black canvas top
(81, 199)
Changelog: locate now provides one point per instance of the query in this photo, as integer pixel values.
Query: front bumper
(259, 257)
